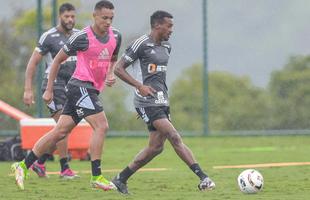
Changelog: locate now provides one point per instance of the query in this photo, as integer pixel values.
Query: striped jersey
(149, 65)
(49, 45)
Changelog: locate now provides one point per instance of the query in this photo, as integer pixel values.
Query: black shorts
(59, 95)
(150, 114)
(81, 102)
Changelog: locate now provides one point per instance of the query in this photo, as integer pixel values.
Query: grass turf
(178, 182)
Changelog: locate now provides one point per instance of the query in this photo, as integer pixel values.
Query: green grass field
(178, 182)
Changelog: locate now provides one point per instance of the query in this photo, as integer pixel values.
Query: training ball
(250, 181)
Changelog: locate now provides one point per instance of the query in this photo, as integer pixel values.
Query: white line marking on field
(285, 164)
(116, 170)
(110, 170)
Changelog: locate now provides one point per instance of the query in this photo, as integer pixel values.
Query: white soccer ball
(250, 181)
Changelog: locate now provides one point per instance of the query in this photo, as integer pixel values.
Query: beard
(67, 26)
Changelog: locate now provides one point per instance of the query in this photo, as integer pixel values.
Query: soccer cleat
(120, 186)
(100, 182)
(206, 184)
(21, 173)
(68, 174)
(39, 169)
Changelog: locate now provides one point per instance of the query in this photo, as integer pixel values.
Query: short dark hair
(104, 4)
(65, 7)
(158, 17)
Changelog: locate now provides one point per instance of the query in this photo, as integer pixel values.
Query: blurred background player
(48, 46)
(96, 47)
(149, 56)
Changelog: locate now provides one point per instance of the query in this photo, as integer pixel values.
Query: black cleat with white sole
(206, 184)
(120, 186)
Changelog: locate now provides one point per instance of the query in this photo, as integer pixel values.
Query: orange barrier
(13, 112)
(33, 129)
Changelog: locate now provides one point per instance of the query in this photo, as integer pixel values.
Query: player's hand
(146, 90)
(110, 80)
(47, 97)
(28, 98)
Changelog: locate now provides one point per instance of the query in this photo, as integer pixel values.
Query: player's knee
(175, 139)
(102, 128)
(56, 135)
(157, 150)
(61, 134)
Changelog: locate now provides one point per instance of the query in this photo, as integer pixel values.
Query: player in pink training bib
(97, 48)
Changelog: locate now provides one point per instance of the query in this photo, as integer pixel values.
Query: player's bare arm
(34, 60)
(59, 58)
(120, 71)
(110, 80)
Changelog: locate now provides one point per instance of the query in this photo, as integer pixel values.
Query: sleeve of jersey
(77, 42)
(132, 53)
(43, 46)
(118, 38)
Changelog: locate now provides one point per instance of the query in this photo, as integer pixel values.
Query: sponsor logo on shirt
(152, 68)
(55, 35)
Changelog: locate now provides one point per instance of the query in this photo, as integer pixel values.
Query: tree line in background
(234, 102)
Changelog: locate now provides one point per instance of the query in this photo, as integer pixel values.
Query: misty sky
(245, 37)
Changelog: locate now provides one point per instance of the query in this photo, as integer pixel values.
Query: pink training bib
(93, 64)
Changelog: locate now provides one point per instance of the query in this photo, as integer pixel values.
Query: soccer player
(97, 48)
(149, 56)
(48, 46)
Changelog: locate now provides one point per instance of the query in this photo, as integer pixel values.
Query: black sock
(30, 159)
(125, 174)
(43, 158)
(198, 171)
(96, 167)
(64, 164)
